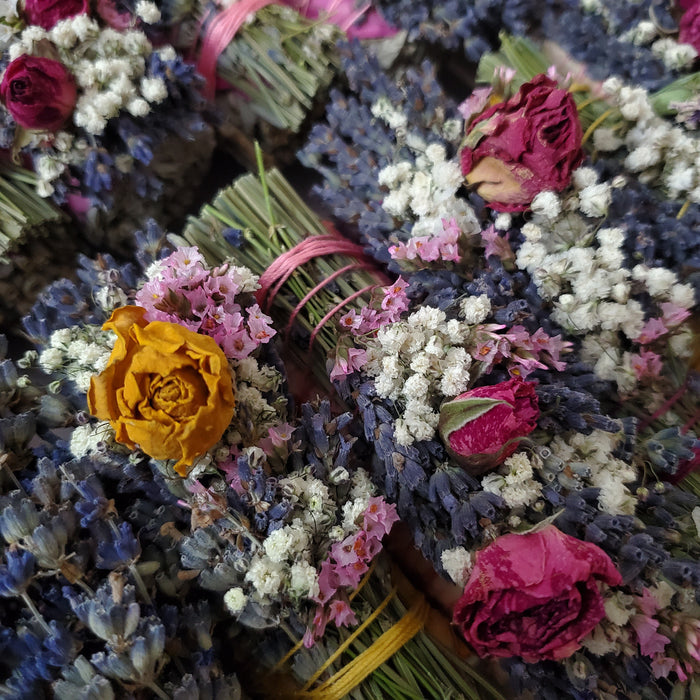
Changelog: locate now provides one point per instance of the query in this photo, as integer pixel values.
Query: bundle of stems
(23, 213)
(270, 218)
(425, 667)
(281, 62)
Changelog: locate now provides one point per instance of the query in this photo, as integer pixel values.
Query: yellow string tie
(353, 673)
(297, 647)
(683, 209)
(589, 101)
(596, 124)
(579, 87)
(356, 633)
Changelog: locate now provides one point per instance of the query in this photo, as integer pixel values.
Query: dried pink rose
(535, 596)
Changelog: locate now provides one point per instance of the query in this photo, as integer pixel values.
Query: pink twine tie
(283, 267)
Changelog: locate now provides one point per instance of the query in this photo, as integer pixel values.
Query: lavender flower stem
(37, 615)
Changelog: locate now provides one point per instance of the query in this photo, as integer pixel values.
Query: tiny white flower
(147, 11)
(594, 200)
(457, 563)
(547, 205)
(503, 221)
(153, 89)
(235, 600)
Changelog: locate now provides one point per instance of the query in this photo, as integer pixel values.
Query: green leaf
(457, 413)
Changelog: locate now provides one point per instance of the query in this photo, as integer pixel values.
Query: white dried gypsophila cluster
(147, 12)
(675, 55)
(87, 439)
(235, 600)
(660, 154)
(457, 563)
(582, 271)
(252, 409)
(361, 490)
(311, 497)
(244, 277)
(426, 189)
(9, 27)
(265, 378)
(77, 353)
(417, 363)
(595, 452)
(514, 481)
(109, 67)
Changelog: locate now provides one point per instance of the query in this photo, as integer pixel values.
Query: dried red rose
(689, 26)
(524, 146)
(39, 93)
(46, 13)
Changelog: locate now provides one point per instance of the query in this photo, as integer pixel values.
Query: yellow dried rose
(166, 389)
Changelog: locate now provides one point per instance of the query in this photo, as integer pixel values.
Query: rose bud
(46, 13)
(689, 26)
(39, 93)
(519, 148)
(484, 426)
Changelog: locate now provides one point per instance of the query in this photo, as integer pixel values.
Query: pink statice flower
(393, 303)
(183, 290)
(496, 244)
(442, 246)
(348, 560)
(349, 362)
(523, 352)
(646, 364)
(379, 517)
(475, 103)
(654, 328)
(673, 315)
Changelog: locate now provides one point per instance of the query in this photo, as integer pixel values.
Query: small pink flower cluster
(394, 303)
(347, 562)
(187, 292)
(443, 246)
(682, 654)
(524, 351)
(648, 363)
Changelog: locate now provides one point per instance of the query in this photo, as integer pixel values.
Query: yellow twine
(353, 673)
(365, 578)
(589, 101)
(579, 87)
(358, 631)
(683, 209)
(297, 647)
(596, 124)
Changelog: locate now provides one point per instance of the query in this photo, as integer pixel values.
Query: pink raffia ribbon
(219, 32)
(282, 268)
